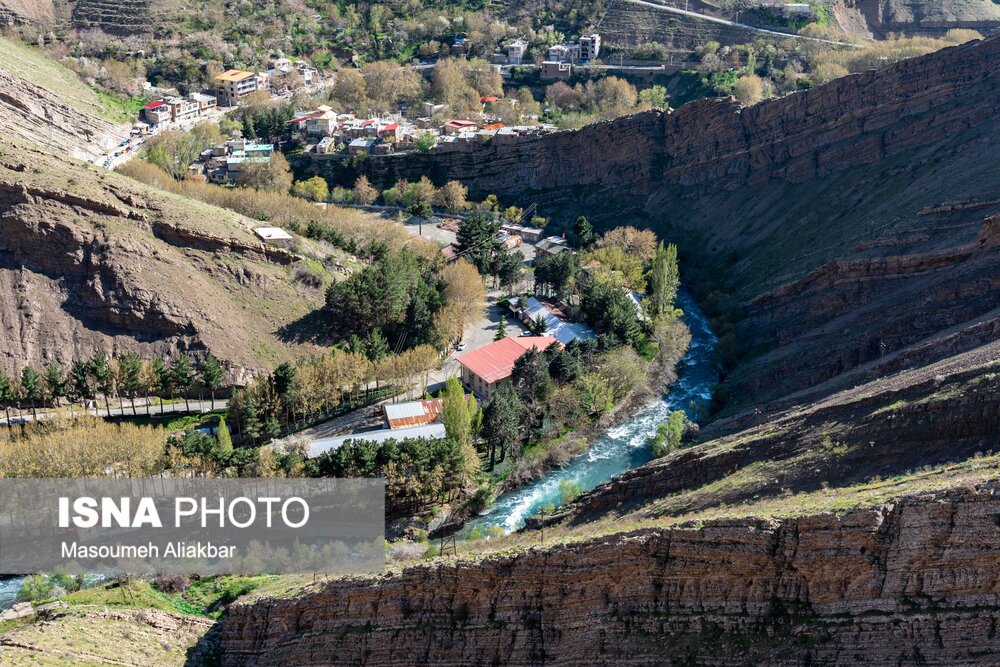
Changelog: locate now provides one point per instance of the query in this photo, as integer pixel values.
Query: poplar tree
(664, 280)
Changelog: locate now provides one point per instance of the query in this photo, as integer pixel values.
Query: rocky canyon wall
(907, 583)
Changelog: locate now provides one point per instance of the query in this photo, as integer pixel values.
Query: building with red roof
(484, 368)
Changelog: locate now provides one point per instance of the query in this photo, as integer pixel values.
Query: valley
(690, 360)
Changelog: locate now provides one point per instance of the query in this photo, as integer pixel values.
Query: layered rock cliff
(908, 583)
(879, 182)
(95, 261)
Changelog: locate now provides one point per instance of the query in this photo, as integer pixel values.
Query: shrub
(569, 491)
(172, 583)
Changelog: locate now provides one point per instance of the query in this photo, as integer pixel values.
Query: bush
(172, 583)
(669, 434)
(569, 491)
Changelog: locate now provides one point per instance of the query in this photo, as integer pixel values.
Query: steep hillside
(26, 12)
(91, 260)
(885, 17)
(906, 583)
(45, 103)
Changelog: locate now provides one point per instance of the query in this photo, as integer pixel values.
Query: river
(624, 446)
(8, 591)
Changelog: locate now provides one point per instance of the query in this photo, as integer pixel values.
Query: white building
(516, 51)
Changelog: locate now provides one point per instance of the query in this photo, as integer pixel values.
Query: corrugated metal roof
(323, 445)
(496, 361)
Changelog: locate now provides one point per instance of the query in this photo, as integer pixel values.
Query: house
(556, 324)
(274, 236)
(156, 112)
(360, 146)
(486, 367)
(528, 234)
(427, 432)
(553, 245)
(326, 146)
(454, 126)
(205, 102)
(564, 53)
(516, 51)
(321, 122)
(590, 47)
(552, 69)
(181, 108)
(414, 413)
(233, 85)
(239, 153)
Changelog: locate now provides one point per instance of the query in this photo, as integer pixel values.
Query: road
(733, 24)
(179, 407)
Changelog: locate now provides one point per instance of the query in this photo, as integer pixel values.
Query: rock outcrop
(44, 103)
(908, 583)
(97, 261)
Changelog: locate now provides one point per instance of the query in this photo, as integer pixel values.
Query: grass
(206, 597)
(31, 64)
(174, 422)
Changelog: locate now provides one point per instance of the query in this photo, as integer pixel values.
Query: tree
(7, 394)
(557, 272)
(655, 97)
(462, 419)
(669, 434)
(313, 189)
(502, 422)
(664, 280)
(364, 193)
(477, 240)
(452, 196)
(55, 384)
(641, 243)
(274, 175)
(388, 84)
(130, 370)
(426, 142)
(608, 309)
(31, 387)
(507, 267)
(212, 375)
(749, 89)
(100, 369)
(350, 90)
(182, 377)
(223, 439)
(583, 233)
(79, 381)
(164, 380)
(501, 329)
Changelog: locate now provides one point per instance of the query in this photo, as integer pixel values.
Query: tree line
(126, 376)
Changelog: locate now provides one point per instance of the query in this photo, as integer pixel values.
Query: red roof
(460, 123)
(493, 126)
(496, 361)
(154, 105)
(300, 119)
(390, 127)
(488, 99)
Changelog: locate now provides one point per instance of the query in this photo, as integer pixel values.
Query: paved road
(733, 24)
(42, 414)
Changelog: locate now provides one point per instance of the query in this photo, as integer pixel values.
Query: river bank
(624, 446)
